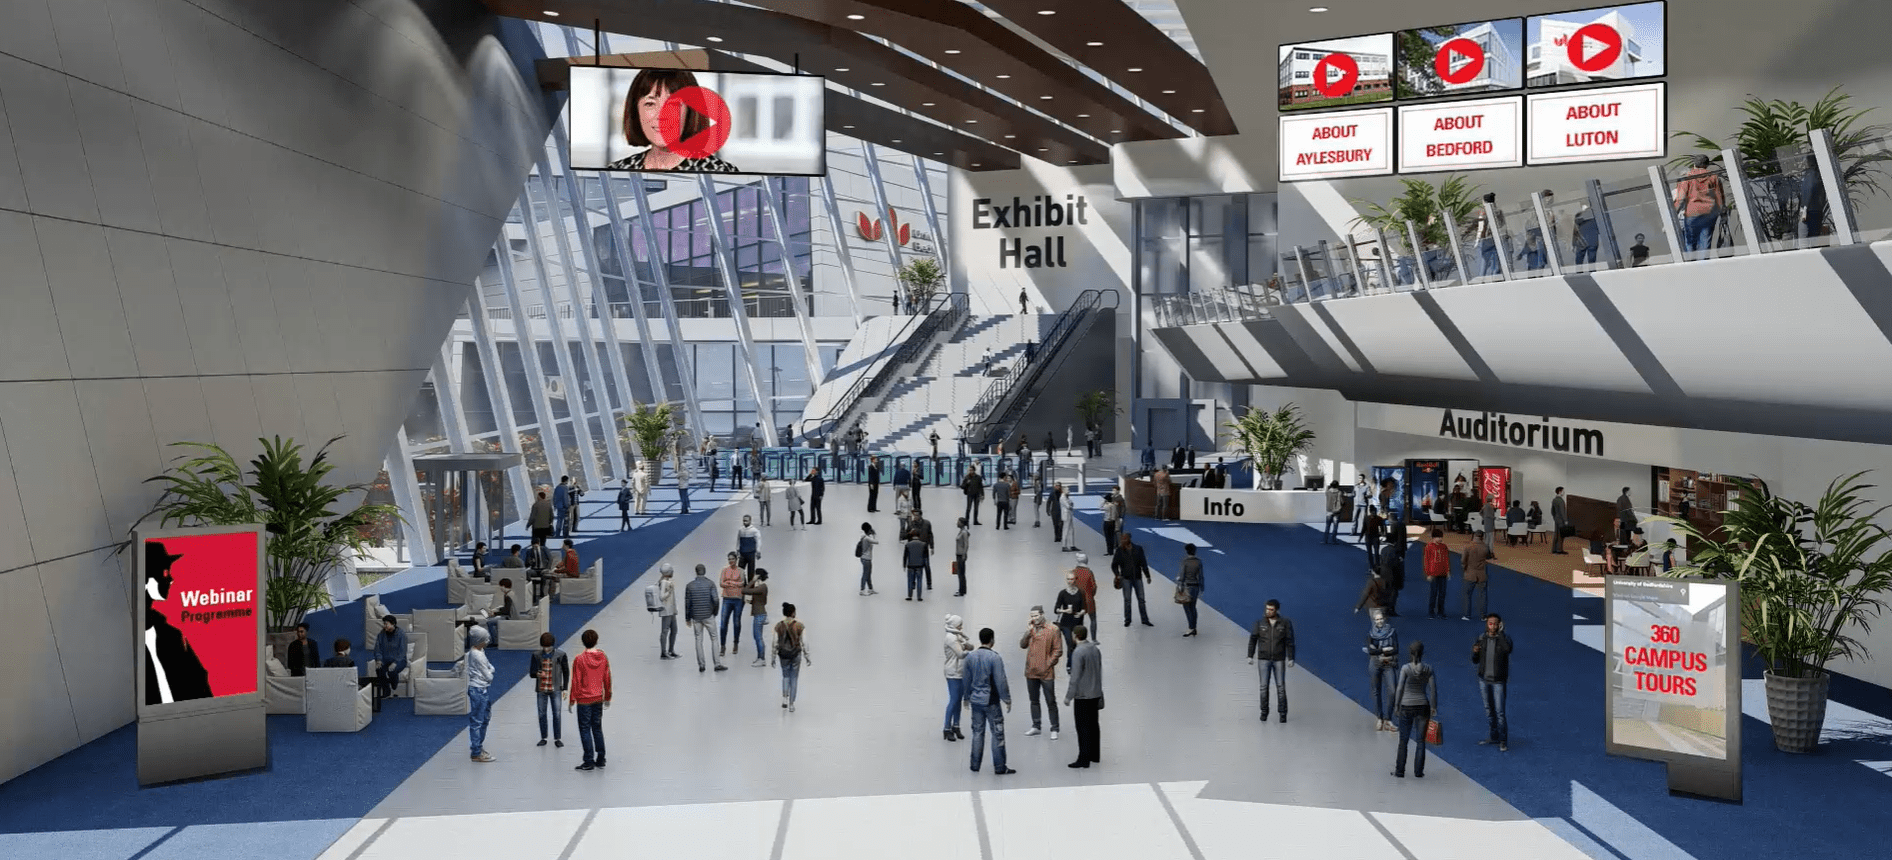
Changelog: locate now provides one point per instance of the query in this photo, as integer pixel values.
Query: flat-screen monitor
(1329, 73)
(1609, 43)
(1460, 59)
(684, 121)
(201, 624)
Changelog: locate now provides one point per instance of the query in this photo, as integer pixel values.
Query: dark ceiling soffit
(989, 49)
(854, 117)
(1128, 40)
(817, 47)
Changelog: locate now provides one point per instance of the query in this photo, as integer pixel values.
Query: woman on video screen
(642, 105)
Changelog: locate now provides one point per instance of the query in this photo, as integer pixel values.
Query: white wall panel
(253, 303)
(91, 316)
(219, 157)
(12, 187)
(315, 396)
(92, 619)
(190, 35)
(178, 414)
(29, 328)
(1537, 332)
(118, 433)
(208, 319)
(46, 140)
(143, 53)
(120, 181)
(29, 31)
(15, 544)
(53, 467)
(153, 312)
(234, 422)
(86, 47)
(35, 723)
(1397, 337)
(165, 137)
(276, 410)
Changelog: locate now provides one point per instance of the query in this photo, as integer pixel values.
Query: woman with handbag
(1418, 697)
(1189, 585)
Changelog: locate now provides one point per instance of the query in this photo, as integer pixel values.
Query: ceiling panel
(873, 68)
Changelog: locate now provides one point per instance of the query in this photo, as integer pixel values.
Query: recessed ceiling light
(877, 84)
(715, 38)
(1047, 11)
(1135, 69)
(939, 153)
(1317, 9)
(1010, 136)
(840, 70)
(1083, 116)
(972, 120)
(1116, 131)
(896, 140)
(975, 164)
(856, 17)
(550, 14)
(847, 126)
(1073, 161)
(1195, 110)
(952, 50)
(926, 104)
(1095, 44)
(1004, 77)
(1044, 149)
(1046, 98)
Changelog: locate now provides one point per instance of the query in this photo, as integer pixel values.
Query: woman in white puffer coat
(957, 646)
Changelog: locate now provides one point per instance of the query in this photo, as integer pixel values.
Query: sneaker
(484, 757)
(586, 766)
(721, 668)
(871, 592)
(1031, 731)
(759, 662)
(1054, 734)
(1504, 748)
(542, 742)
(600, 762)
(1461, 617)
(791, 707)
(559, 744)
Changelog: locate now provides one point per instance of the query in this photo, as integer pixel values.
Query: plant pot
(1797, 709)
(279, 642)
(653, 470)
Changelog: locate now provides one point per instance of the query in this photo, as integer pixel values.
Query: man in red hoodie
(590, 695)
(1438, 566)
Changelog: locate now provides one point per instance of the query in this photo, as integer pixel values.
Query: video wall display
(202, 621)
(1610, 43)
(1460, 59)
(684, 121)
(1435, 72)
(1337, 72)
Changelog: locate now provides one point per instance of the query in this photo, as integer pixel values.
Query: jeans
(1162, 505)
(1586, 255)
(1048, 688)
(1483, 588)
(1070, 644)
(795, 516)
(1110, 537)
(913, 583)
(955, 698)
(746, 561)
(1435, 595)
(1057, 529)
(1698, 231)
(705, 628)
(1384, 675)
(972, 509)
(732, 611)
(1089, 742)
(1493, 692)
(867, 574)
(1557, 538)
(814, 510)
(991, 714)
(683, 495)
(791, 678)
(1134, 585)
(1332, 533)
(759, 621)
(1189, 609)
(1004, 510)
(1412, 727)
(591, 731)
(763, 508)
(549, 701)
(624, 518)
(667, 635)
(1488, 252)
(1275, 671)
(479, 713)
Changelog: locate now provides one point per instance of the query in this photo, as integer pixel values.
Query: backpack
(651, 601)
(788, 641)
(860, 548)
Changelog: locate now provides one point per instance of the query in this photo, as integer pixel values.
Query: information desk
(1253, 506)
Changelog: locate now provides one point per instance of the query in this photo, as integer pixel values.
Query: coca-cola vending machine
(1494, 486)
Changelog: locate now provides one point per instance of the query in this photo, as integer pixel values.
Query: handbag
(1435, 732)
(1568, 530)
(1182, 594)
(1116, 582)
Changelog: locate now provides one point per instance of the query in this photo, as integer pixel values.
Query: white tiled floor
(1081, 821)
(709, 831)
(917, 826)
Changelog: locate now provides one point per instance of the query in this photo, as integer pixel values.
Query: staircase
(918, 337)
(948, 380)
(997, 411)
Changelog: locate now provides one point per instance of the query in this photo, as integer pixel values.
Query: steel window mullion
(561, 350)
(500, 395)
(725, 256)
(529, 355)
(634, 289)
(659, 263)
(810, 349)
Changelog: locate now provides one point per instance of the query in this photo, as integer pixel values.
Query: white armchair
(336, 701)
(521, 633)
(446, 641)
(371, 614)
(416, 664)
(588, 588)
(458, 578)
(442, 692)
(282, 692)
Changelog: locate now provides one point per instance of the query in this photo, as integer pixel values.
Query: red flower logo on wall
(871, 229)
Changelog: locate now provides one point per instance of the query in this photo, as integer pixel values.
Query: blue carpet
(310, 776)
(1555, 706)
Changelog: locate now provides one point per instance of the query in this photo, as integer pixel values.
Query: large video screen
(1481, 57)
(1337, 72)
(202, 622)
(683, 121)
(1611, 43)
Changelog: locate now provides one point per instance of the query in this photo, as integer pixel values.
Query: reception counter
(1231, 506)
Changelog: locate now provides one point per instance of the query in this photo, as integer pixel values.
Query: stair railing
(980, 420)
(943, 313)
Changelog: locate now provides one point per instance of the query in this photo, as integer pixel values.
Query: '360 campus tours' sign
(1041, 251)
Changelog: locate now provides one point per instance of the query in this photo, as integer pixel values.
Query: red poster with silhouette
(202, 595)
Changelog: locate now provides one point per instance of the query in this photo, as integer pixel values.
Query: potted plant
(1809, 577)
(1271, 440)
(307, 538)
(922, 278)
(1426, 206)
(1096, 407)
(650, 427)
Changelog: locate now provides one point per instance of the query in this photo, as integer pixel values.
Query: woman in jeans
(1418, 698)
(865, 551)
(1190, 581)
(957, 647)
(791, 651)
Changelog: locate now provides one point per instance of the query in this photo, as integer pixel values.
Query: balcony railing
(1214, 305)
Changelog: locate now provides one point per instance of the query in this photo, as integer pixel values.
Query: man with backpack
(1336, 509)
(791, 651)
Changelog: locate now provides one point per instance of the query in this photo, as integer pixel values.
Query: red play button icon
(704, 143)
(1459, 61)
(1595, 47)
(1335, 75)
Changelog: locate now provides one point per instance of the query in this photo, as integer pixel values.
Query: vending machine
(1494, 486)
(1425, 489)
(1398, 476)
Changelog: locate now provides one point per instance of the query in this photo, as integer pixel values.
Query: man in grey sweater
(1085, 695)
(699, 609)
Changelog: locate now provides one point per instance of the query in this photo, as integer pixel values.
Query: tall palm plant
(1428, 207)
(1271, 439)
(1097, 406)
(307, 537)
